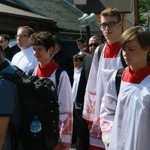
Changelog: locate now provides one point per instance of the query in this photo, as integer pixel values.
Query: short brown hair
(78, 57)
(141, 34)
(42, 38)
(113, 12)
(29, 29)
(80, 40)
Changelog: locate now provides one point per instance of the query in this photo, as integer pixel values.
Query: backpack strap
(9, 76)
(30, 72)
(118, 79)
(100, 50)
(58, 72)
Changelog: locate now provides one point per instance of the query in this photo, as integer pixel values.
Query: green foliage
(144, 7)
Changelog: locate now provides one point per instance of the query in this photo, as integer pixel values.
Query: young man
(81, 45)
(24, 59)
(62, 59)
(101, 71)
(125, 118)
(9, 107)
(44, 46)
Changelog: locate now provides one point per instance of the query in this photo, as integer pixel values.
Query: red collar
(47, 70)
(111, 51)
(129, 76)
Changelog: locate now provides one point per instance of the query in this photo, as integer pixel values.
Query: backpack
(118, 79)
(40, 110)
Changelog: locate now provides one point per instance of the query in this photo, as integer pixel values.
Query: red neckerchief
(47, 70)
(111, 51)
(129, 76)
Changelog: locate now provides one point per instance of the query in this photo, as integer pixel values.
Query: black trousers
(82, 142)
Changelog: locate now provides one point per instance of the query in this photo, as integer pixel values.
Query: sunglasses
(93, 44)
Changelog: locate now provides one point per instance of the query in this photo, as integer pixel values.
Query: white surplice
(99, 76)
(129, 115)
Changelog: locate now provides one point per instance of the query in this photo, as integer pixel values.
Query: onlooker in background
(86, 51)
(78, 62)
(9, 107)
(94, 42)
(24, 59)
(4, 42)
(62, 59)
(44, 47)
(125, 118)
(81, 44)
(101, 71)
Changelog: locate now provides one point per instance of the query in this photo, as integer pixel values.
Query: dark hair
(6, 37)
(78, 57)
(113, 12)
(42, 38)
(80, 40)
(29, 29)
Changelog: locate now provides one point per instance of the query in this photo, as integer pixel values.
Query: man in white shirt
(24, 59)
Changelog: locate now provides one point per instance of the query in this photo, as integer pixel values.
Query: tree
(144, 12)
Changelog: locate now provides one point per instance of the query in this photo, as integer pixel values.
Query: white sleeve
(108, 108)
(66, 107)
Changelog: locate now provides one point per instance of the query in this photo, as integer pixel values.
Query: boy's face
(42, 55)
(111, 28)
(134, 55)
(80, 45)
(77, 63)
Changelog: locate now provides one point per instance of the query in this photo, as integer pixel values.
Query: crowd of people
(92, 115)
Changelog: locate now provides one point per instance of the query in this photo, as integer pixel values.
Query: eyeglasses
(110, 24)
(1, 41)
(21, 36)
(93, 44)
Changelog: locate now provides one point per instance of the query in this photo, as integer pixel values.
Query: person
(9, 107)
(44, 47)
(78, 62)
(24, 59)
(81, 45)
(100, 72)
(4, 42)
(65, 61)
(93, 43)
(86, 51)
(125, 118)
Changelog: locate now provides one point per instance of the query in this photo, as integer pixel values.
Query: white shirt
(25, 60)
(77, 74)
